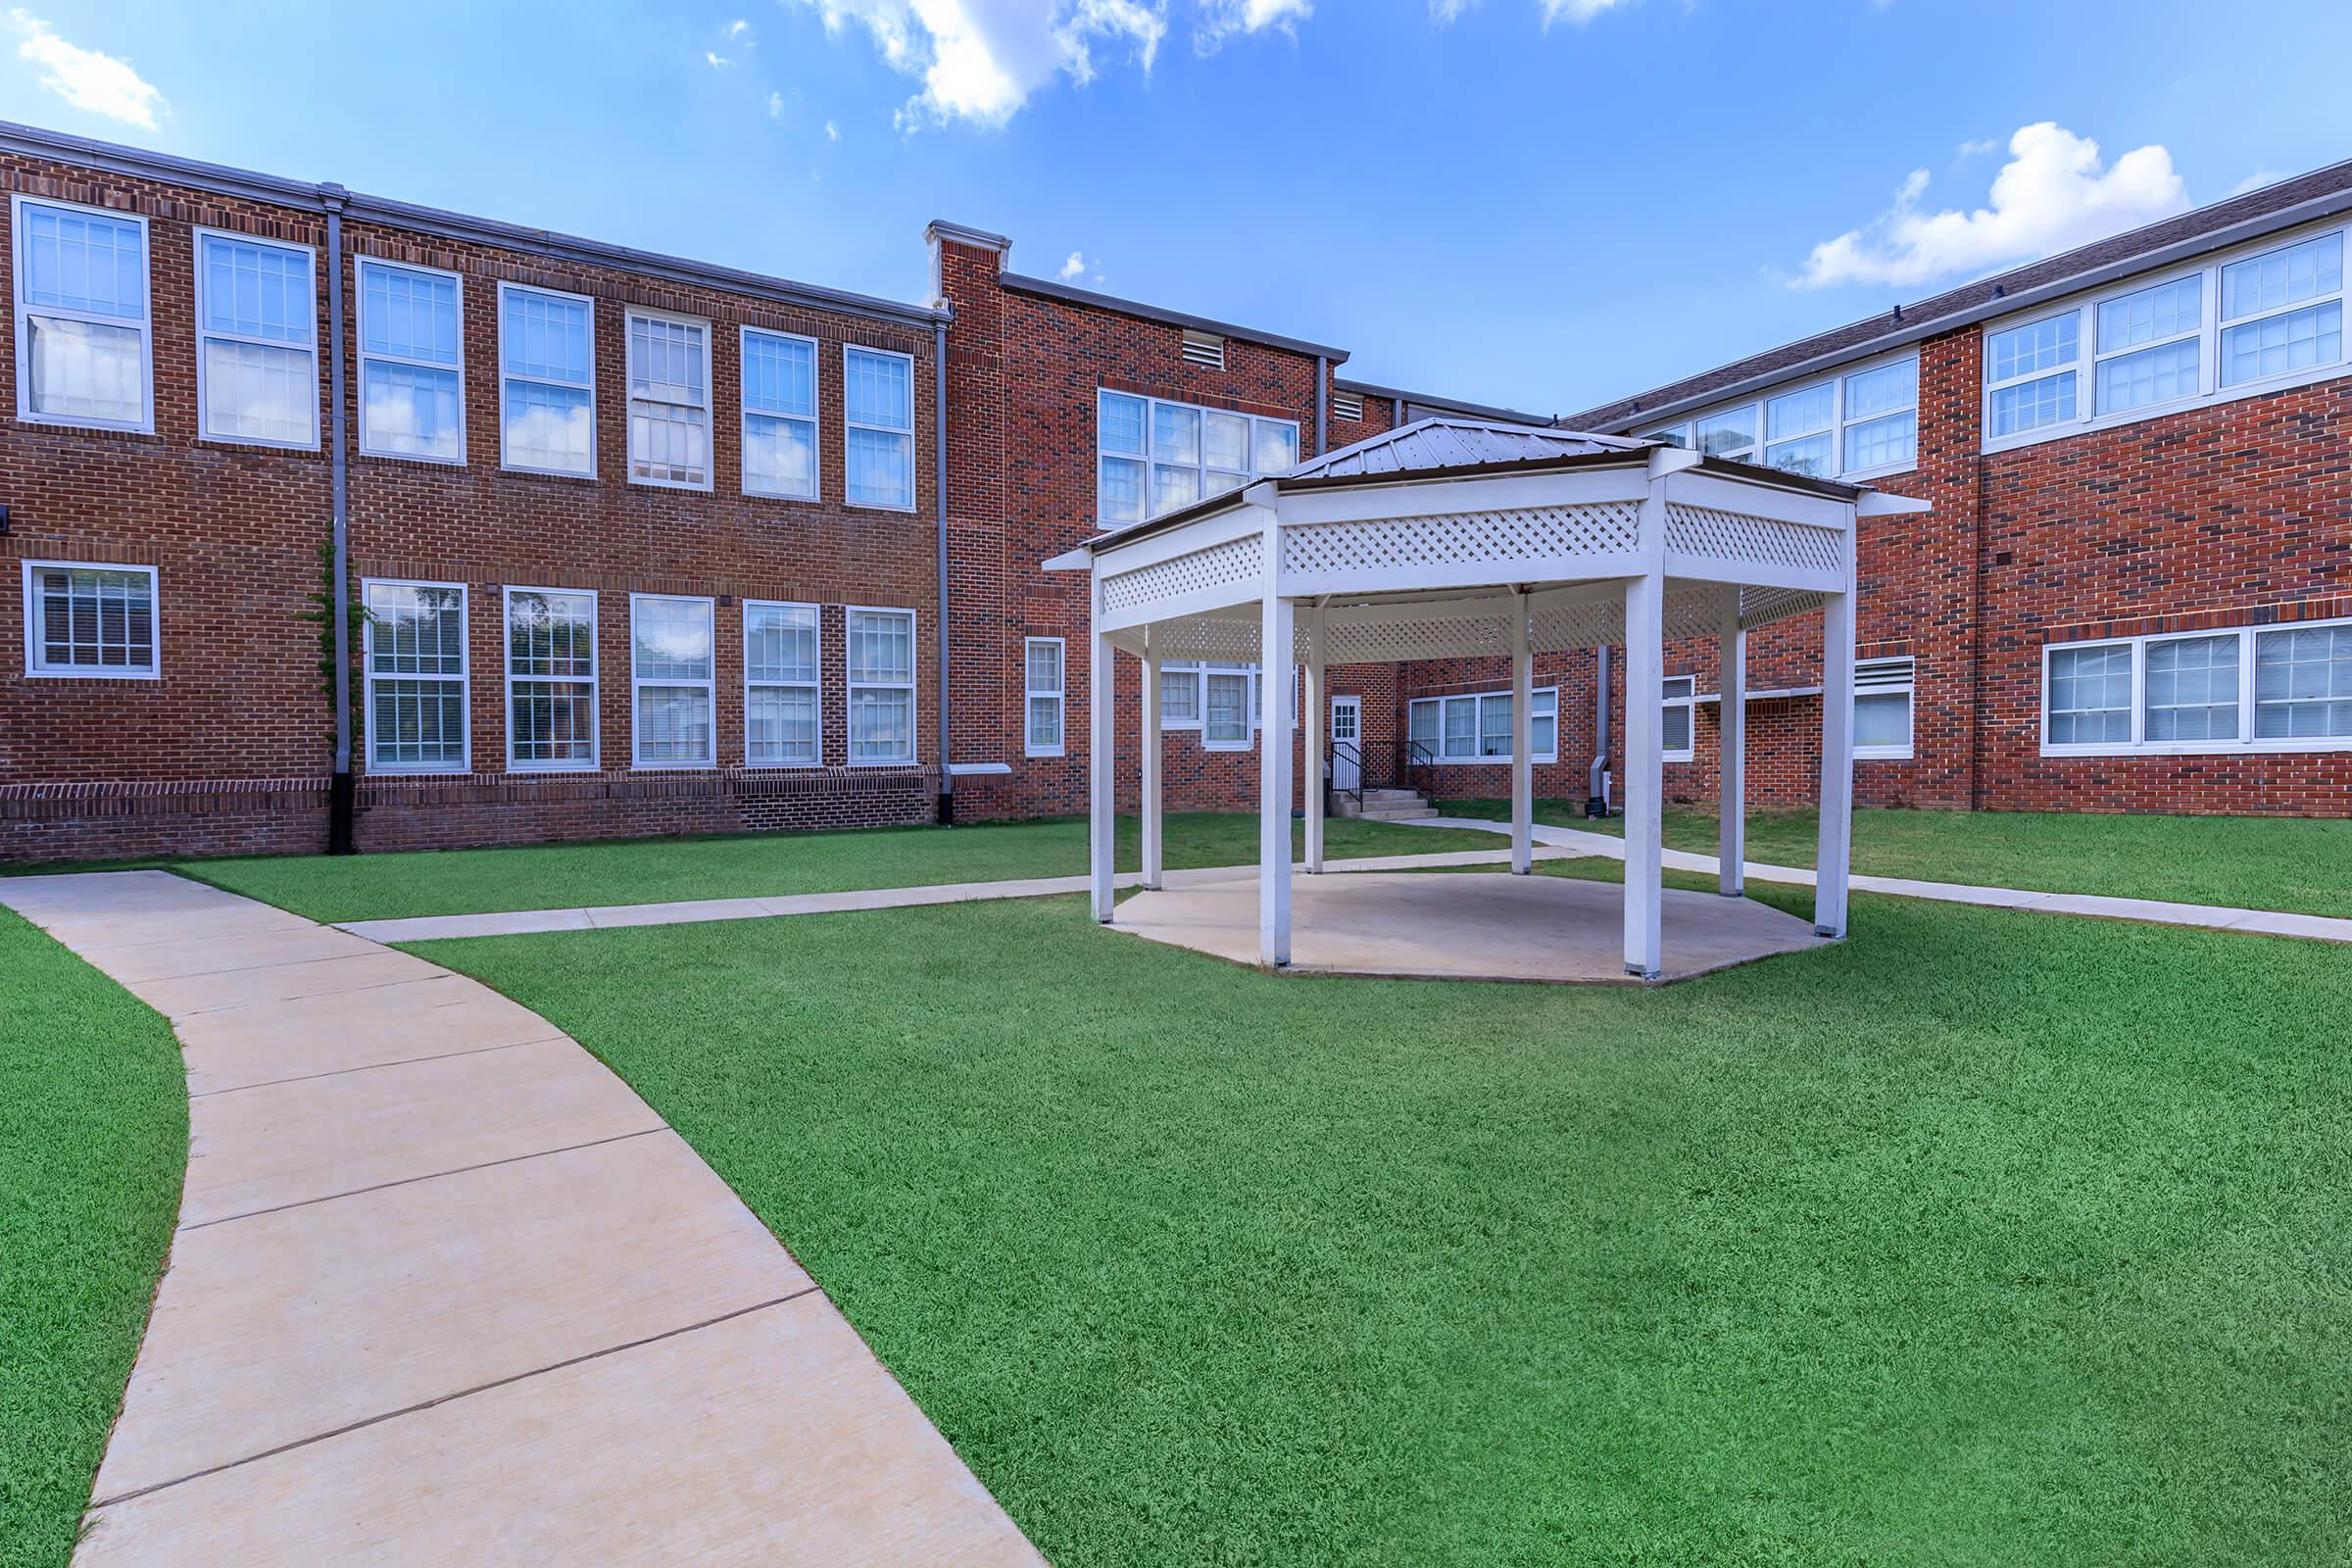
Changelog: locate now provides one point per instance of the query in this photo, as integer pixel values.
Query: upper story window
(89, 621)
(779, 415)
(2251, 320)
(83, 345)
(1154, 455)
(1858, 424)
(878, 409)
(412, 373)
(669, 401)
(547, 380)
(257, 347)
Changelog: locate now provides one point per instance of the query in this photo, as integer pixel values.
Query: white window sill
(2262, 748)
(589, 767)
(703, 488)
(458, 462)
(756, 766)
(907, 510)
(380, 770)
(94, 674)
(207, 438)
(704, 766)
(1038, 754)
(1888, 753)
(978, 770)
(56, 421)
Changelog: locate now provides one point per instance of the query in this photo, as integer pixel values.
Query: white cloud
(1221, 19)
(717, 60)
(981, 60)
(1445, 13)
(1977, 149)
(775, 106)
(85, 78)
(832, 131)
(736, 32)
(2256, 180)
(2054, 193)
(1075, 267)
(1579, 12)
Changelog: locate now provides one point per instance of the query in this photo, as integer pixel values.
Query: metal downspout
(1322, 404)
(939, 492)
(340, 839)
(1596, 800)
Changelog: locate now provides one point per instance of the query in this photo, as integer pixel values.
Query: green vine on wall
(323, 613)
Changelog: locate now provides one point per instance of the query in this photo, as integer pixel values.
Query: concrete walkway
(519, 922)
(445, 1289)
(2211, 916)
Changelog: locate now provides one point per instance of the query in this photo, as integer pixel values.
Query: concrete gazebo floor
(1465, 926)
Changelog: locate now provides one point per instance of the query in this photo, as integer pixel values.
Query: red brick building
(631, 544)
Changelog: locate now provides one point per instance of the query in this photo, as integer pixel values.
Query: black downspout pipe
(939, 491)
(341, 791)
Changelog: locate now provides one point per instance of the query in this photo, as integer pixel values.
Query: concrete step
(1402, 812)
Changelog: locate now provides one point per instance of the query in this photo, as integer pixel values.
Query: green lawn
(93, 1144)
(1985, 1238)
(2301, 864)
(556, 876)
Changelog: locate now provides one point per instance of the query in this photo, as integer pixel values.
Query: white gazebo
(1454, 538)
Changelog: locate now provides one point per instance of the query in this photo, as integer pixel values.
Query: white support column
(1102, 775)
(1834, 856)
(1731, 835)
(1274, 785)
(1523, 748)
(1148, 802)
(1644, 773)
(1317, 713)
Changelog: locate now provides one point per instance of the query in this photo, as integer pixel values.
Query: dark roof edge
(1483, 410)
(1153, 312)
(1669, 404)
(246, 185)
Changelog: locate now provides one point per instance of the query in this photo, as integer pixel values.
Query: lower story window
(1179, 696)
(1044, 697)
(2303, 684)
(417, 677)
(1883, 692)
(881, 663)
(551, 679)
(1225, 710)
(671, 665)
(89, 621)
(1476, 727)
(781, 686)
(2267, 687)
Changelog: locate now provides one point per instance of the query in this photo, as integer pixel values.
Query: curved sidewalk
(444, 1288)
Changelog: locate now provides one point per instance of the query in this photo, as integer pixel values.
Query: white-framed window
(82, 322)
(779, 415)
(877, 402)
(1227, 708)
(1878, 418)
(256, 341)
(412, 361)
(2285, 688)
(1152, 456)
(1884, 689)
(546, 381)
(782, 685)
(417, 670)
(1860, 424)
(1801, 430)
(670, 400)
(550, 680)
(1476, 726)
(881, 696)
(1727, 434)
(1043, 692)
(1179, 695)
(1676, 708)
(672, 682)
(2262, 315)
(87, 619)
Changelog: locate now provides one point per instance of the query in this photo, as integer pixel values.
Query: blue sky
(1541, 203)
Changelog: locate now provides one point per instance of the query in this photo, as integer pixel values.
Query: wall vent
(1346, 405)
(1204, 348)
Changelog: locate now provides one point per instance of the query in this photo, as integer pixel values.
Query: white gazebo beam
(1314, 795)
(1645, 777)
(1523, 737)
(1273, 748)
(1833, 856)
(1102, 777)
(1149, 802)
(1731, 773)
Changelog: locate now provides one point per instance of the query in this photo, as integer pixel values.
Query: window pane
(1277, 446)
(1799, 413)
(411, 410)
(1675, 726)
(1423, 724)
(673, 724)
(2166, 311)
(1494, 725)
(779, 643)
(881, 468)
(1226, 720)
(780, 726)
(256, 392)
(1119, 422)
(410, 315)
(1175, 433)
(1045, 665)
(545, 336)
(881, 646)
(2036, 346)
(1881, 391)
(779, 456)
(416, 631)
(2278, 344)
(669, 443)
(881, 726)
(1173, 487)
(2034, 404)
(1225, 441)
(1721, 435)
(417, 723)
(1810, 456)
(257, 291)
(2090, 694)
(84, 262)
(2193, 689)
(1883, 719)
(779, 374)
(93, 619)
(2159, 374)
(2283, 277)
(1179, 697)
(1119, 490)
(880, 389)
(87, 371)
(1044, 721)
(549, 427)
(672, 639)
(551, 634)
(1461, 727)
(1881, 443)
(2303, 684)
(667, 359)
(554, 722)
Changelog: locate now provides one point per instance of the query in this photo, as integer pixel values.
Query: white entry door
(1346, 725)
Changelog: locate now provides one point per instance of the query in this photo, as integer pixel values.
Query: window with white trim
(881, 699)
(2029, 374)
(2283, 311)
(1676, 724)
(1226, 710)
(83, 620)
(1476, 726)
(412, 370)
(1883, 690)
(1042, 695)
(547, 380)
(2286, 688)
(1152, 456)
(670, 400)
(1877, 416)
(82, 329)
(878, 409)
(782, 691)
(256, 341)
(551, 679)
(1801, 430)
(417, 670)
(670, 680)
(2147, 346)
(779, 415)
(1179, 695)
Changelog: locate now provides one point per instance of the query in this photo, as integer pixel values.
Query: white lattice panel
(1588, 625)
(1534, 533)
(1372, 641)
(1225, 566)
(1231, 640)
(1734, 536)
(1760, 607)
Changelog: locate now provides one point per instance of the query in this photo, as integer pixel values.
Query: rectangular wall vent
(1346, 405)
(1876, 673)
(1204, 348)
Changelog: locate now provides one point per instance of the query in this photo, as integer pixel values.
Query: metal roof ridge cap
(1159, 313)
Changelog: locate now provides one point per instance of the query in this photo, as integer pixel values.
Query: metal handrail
(1421, 764)
(1364, 774)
